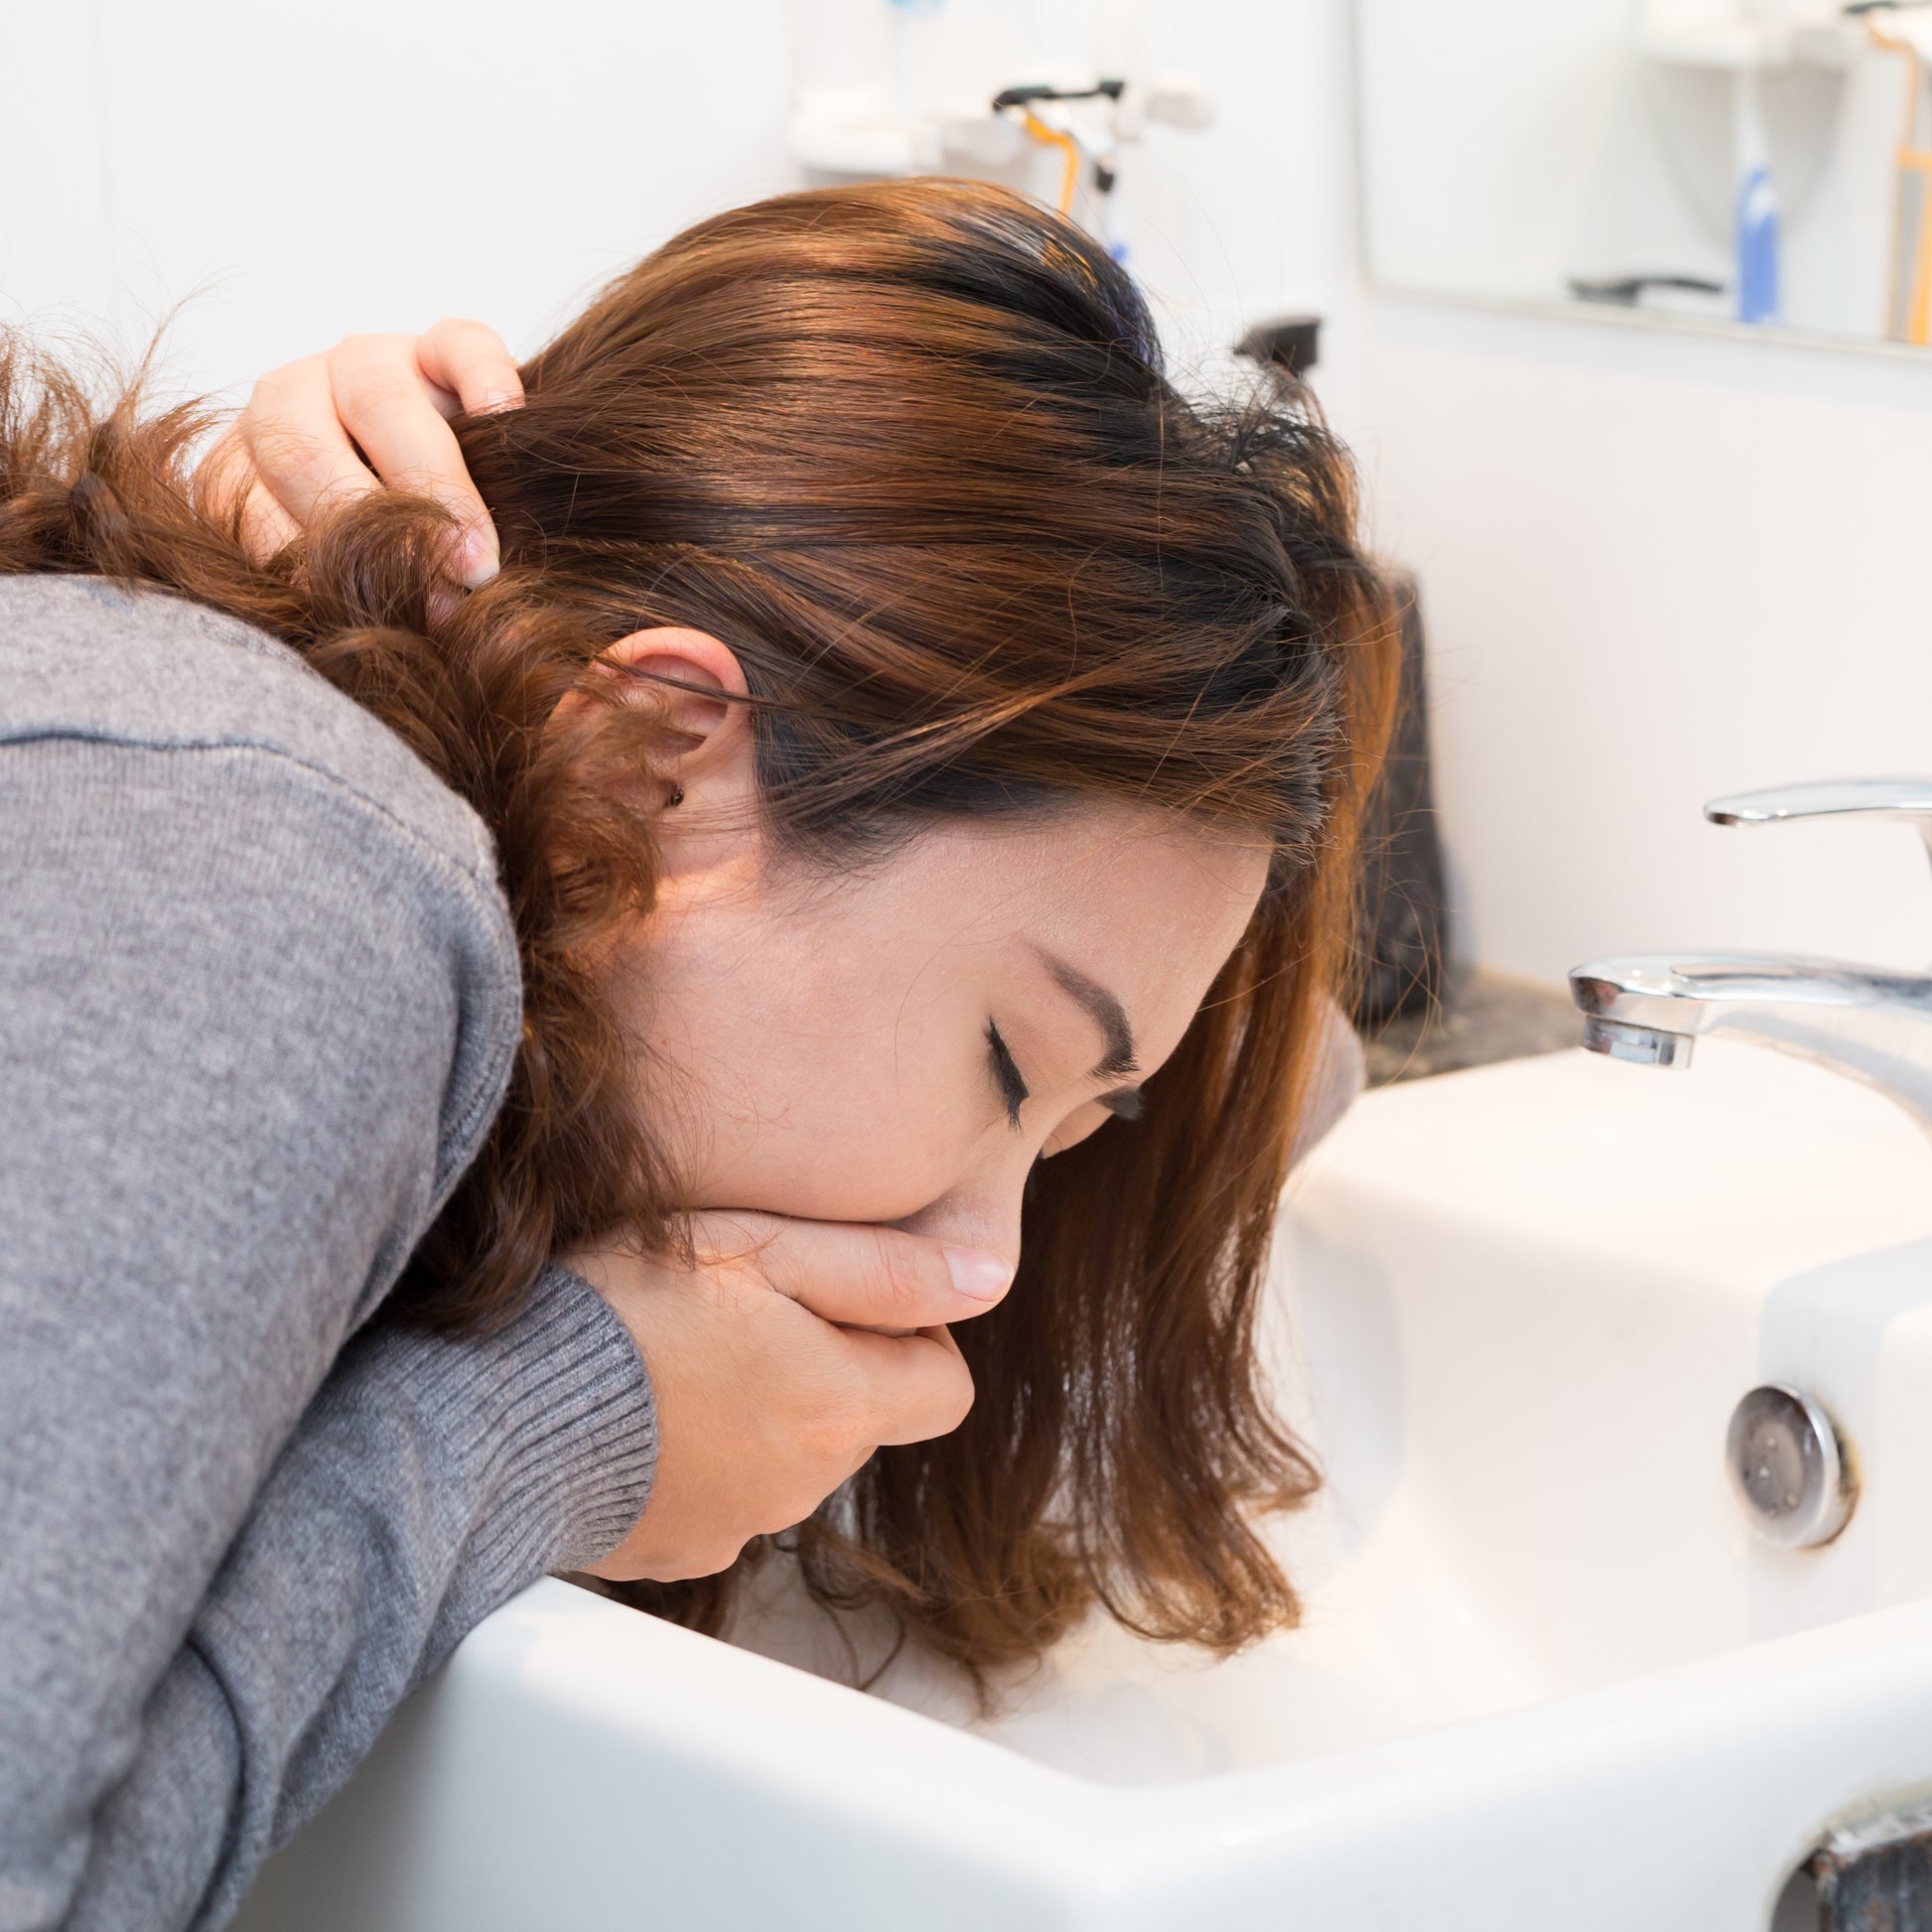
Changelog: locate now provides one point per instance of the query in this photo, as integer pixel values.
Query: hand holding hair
(373, 411)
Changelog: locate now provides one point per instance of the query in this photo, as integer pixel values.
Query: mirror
(1760, 164)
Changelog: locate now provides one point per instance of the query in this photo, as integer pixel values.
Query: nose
(983, 1212)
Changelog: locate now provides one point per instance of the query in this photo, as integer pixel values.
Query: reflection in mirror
(1759, 162)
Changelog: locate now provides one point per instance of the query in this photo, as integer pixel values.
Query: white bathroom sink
(1547, 1677)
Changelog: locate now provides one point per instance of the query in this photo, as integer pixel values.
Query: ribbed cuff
(552, 1420)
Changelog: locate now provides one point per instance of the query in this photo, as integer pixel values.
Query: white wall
(293, 174)
(1254, 216)
(1512, 147)
(290, 176)
(1656, 567)
(1512, 144)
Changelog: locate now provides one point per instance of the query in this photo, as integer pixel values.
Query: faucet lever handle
(1898, 799)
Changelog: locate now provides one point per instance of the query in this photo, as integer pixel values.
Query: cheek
(848, 1129)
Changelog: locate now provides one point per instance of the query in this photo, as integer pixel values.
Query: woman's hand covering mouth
(780, 1360)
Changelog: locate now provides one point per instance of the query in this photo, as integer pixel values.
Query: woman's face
(902, 1044)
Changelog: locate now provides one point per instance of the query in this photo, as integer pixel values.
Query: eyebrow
(1104, 1010)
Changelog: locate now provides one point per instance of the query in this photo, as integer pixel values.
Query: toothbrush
(1756, 212)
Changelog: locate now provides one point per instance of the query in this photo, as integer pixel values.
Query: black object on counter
(1626, 291)
(1404, 922)
(1289, 342)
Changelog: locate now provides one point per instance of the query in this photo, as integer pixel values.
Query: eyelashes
(1124, 1103)
(1014, 1091)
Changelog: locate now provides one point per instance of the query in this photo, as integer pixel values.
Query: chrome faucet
(1866, 1022)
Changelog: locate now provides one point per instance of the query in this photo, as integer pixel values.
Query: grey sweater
(259, 1002)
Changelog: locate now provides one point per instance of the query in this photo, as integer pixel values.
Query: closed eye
(1014, 1091)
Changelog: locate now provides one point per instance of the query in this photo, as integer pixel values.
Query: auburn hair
(909, 450)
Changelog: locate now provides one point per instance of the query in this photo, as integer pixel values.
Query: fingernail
(978, 1274)
(479, 558)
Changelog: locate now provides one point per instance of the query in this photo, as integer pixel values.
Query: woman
(896, 796)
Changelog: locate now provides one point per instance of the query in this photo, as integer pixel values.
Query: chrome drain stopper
(1788, 1467)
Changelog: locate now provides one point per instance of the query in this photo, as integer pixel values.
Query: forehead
(1141, 900)
(1103, 867)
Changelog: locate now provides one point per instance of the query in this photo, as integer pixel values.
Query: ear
(700, 684)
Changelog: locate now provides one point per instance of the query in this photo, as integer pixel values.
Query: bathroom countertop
(1486, 1017)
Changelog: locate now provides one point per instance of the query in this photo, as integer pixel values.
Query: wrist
(548, 1428)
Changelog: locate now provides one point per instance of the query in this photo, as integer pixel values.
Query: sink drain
(1789, 1468)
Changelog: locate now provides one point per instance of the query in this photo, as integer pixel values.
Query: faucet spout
(1623, 1040)
(1868, 1023)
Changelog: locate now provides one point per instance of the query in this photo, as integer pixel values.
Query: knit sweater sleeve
(248, 1035)
(429, 1481)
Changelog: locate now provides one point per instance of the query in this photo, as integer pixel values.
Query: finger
(860, 1274)
(226, 486)
(472, 362)
(298, 445)
(379, 393)
(918, 1385)
(266, 527)
(226, 474)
